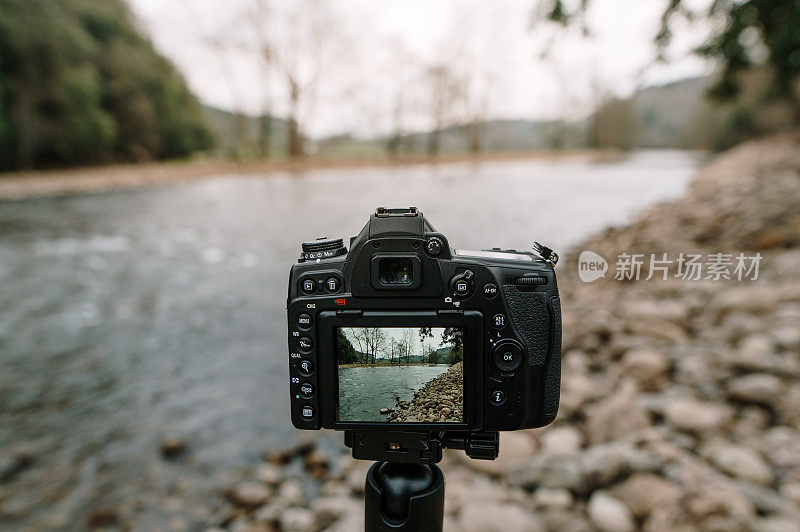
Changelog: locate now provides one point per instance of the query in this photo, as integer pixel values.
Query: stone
(645, 365)
(759, 388)
(482, 517)
(608, 513)
(706, 506)
(250, 494)
(697, 416)
(753, 299)
(172, 447)
(549, 498)
(739, 461)
(642, 492)
(269, 473)
(547, 470)
(561, 440)
(603, 464)
(616, 416)
(292, 492)
(776, 524)
(297, 520)
(329, 509)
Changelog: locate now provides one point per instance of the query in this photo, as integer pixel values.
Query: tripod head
(419, 447)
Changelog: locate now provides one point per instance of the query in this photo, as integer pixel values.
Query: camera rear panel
(505, 304)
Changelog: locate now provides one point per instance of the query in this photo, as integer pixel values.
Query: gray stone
(547, 470)
(250, 494)
(603, 464)
(297, 520)
(739, 461)
(759, 388)
(562, 439)
(292, 491)
(645, 365)
(483, 517)
(616, 416)
(549, 498)
(328, 509)
(697, 416)
(608, 513)
(644, 491)
(269, 473)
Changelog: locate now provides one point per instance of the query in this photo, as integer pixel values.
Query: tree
(748, 34)
(445, 90)
(455, 338)
(347, 353)
(79, 84)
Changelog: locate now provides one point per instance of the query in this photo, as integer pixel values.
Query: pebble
(739, 461)
(292, 492)
(250, 494)
(642, 492)
(561, 440)
(698, 416)
(269, 473)
(608, 514)
(548, 470)
(645, 365)
(482, 517)
(759, 388)
(297, 520)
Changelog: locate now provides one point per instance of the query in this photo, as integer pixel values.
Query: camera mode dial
(323, 248)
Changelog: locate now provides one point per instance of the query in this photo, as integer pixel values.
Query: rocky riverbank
(680, 399)
(440, 400)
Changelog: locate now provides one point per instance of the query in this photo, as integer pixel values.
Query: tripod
(404, 489)
(404, 497)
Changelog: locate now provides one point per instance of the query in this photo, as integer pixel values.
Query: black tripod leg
(404, 497)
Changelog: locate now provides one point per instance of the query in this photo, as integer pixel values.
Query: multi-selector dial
(507, 354)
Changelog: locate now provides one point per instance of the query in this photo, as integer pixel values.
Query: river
(130, 316)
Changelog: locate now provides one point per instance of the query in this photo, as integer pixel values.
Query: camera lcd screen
(400, 374)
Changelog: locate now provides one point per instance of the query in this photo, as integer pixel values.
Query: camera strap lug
(549, 256)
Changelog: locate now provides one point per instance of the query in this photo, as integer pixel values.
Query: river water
(129, 316)
(364, 390)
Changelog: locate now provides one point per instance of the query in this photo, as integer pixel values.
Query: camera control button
(309, 286)
(307, 411)
(507, 355)
(499, 321)
(304, 321)
(498, 397)
(333, 284)
(306, 367)
(490, 290)
(307, 389)
(305, 344)
(461, 284)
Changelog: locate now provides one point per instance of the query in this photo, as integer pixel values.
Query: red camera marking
(341, 301)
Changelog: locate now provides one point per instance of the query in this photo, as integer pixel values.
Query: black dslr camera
(411, 347)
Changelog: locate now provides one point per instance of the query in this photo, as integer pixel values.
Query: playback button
(307, 412)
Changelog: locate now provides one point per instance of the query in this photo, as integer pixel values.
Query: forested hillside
(79, 84)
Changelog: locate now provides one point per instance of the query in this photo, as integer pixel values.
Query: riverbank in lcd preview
(679, 397)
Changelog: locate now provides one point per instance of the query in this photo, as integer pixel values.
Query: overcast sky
(359, 83)
(396, 334)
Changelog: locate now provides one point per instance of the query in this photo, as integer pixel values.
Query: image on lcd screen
(400, 374)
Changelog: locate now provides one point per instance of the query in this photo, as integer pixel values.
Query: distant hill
(238, 134)
(664, 116)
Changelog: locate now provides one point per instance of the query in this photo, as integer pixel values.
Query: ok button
(507, 355)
